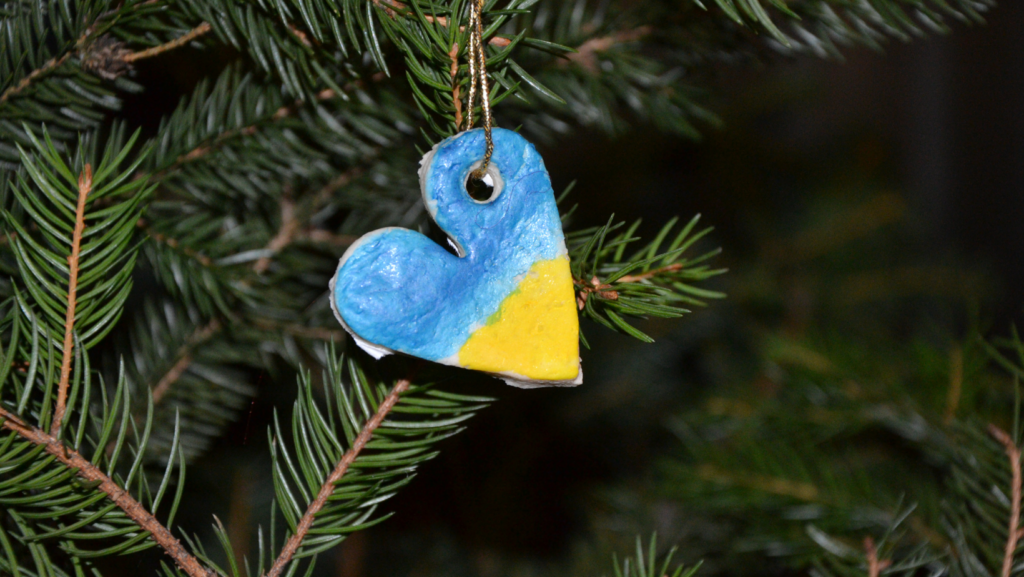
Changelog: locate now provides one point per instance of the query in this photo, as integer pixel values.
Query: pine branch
(983, 505)
(587, 53)
(63, 65)
(830, 446)
(24, 83)
(875, 566)
(182, 40)
(84, 187)
(610, 66)
(831, 21)
(305, 53)
(88, 472)
(27, 538)
(185, 358)
(190, 365)
(325, 491)
(328, 487)
(51, 484)
(1014, 533)
(641, 565)
(96, 242)
(650, 282)
(893, 555)
(232, 156)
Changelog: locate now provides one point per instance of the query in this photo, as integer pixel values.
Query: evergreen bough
(232, 216)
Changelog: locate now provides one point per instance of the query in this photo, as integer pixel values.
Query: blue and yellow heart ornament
(505, 304)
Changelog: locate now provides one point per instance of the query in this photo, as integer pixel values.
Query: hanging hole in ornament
(484, 188)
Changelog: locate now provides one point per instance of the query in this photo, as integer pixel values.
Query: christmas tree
(181, 178)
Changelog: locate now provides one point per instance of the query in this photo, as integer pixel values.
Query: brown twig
(326, 237)
(456, 99)
(289, 228)
(84, 187)
(80, 44)
(184, 355)
(123, 499)
(210, 145)
(292, 546)
(773, 485)
(651, 273)
(302, 36)
(594, 286)
(586, 53)
(391, 7)
(604, 290)
(499, 41)
(292, 219)
(26, 81)
(173, 243)
(177, 42)
(1014, 532)
(875, 567)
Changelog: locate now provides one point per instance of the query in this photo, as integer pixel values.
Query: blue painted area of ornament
(397, 288)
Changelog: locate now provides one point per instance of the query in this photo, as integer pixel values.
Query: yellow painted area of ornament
(535, 333)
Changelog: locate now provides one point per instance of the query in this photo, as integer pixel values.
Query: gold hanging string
(478, 80)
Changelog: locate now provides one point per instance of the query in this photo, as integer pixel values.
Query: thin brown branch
(200, 336)
(1013, 533)
(173, 243)
(326, 237)
(391, 7)
(324, 194)
(211, 144)
(586, 53)
(456, 99)
(875, 567)
(293, 544)
(772, 485)
(88, 472)
(113, 53)
(651, 273)
(292, 220)
(594, 286)
(285, 234)
(84, 187)
(300, 35)
(604, 290)
(26, 81)
(499, 41)
(176, 43)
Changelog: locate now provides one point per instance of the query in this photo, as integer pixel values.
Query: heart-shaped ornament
(505, 305)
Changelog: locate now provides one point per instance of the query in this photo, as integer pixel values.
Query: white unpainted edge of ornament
(521, 382)
(432, 205)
